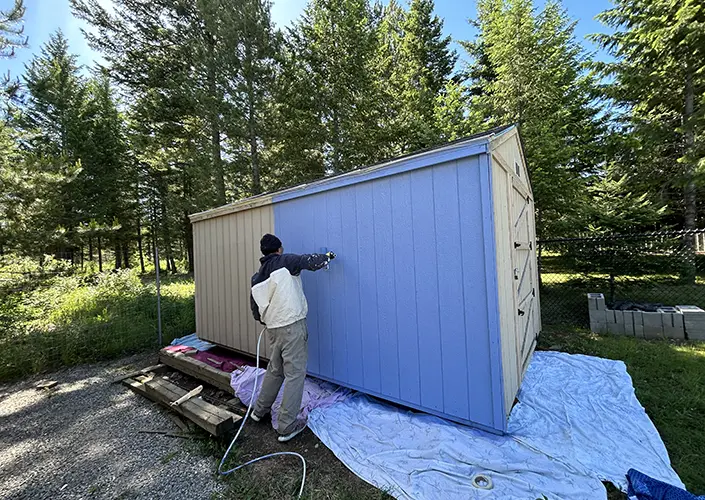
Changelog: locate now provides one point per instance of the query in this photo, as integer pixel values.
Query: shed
(433, 300)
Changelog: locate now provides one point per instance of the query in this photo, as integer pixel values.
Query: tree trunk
(689, 191)
(168, 250)
(251, 121)
(218, 172)
(188, 233)
(81, 257)
(118, 255)
(139, 244)
(125, 255)
(100, 256)
(90, 248)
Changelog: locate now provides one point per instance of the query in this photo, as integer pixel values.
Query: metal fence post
(159, 297)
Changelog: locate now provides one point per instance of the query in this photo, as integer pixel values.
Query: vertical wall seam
(221, 282)
(345, 299)
(330, 300)
(394, 268)
(458, 165)
(416, 288)
(359, 288)
(438, 290)
(229, 283)
(209, 266)
(318, 288)
(374, 259)
(237, 335)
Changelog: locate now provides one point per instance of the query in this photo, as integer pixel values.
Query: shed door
(524, 272)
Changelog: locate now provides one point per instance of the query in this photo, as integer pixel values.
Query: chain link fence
(665, 267)
(55, 314)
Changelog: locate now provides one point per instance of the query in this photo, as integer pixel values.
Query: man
(279, 303)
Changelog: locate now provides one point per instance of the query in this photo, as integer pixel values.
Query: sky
(43, 17)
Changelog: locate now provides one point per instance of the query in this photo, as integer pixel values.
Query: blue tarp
(643, 487)
(193, 341)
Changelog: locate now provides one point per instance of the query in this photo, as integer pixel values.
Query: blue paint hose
(242, 425)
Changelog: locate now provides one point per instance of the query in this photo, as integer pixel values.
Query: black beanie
(269, 244)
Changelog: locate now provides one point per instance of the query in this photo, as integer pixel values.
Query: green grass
(67, 318)
(669, 380)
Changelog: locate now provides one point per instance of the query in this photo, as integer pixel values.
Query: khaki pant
(288, 347)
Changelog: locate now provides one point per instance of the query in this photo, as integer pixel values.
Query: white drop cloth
(582, 410)
(418, 456)
(578, 422)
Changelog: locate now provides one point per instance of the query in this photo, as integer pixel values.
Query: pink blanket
(317, 393)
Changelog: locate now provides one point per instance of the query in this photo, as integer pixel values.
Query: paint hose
(263, 457)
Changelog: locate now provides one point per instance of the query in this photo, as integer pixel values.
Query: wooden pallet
(217, 421)
(197, 369)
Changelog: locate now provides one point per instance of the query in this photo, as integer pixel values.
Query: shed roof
(456, 149)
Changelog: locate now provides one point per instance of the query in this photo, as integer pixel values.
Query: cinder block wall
(678, 322)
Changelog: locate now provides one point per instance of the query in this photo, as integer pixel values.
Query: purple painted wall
(408, 310)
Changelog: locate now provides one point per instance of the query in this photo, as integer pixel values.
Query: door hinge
(533, 292)
(531, 246)
(516, 273)
(521, 312)
(517, 244)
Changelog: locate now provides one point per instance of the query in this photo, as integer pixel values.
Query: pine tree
(331, 53)
(55, 96)
(426, 66)
(658, 78)
(389, 79)
(529, 70)
(53, 128)
(12, 30)
(163, 52)
(107, 180)
(11, 38)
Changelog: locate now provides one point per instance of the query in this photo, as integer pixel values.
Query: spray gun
(330, 255)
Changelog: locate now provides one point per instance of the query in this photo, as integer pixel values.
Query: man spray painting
(279, 303)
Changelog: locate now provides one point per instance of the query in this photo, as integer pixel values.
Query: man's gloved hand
(331, 255)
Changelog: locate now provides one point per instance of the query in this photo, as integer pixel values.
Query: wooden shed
(433, 300)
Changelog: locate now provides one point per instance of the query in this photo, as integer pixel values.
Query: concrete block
(610, 316)
(653, 325)
(639, 331)
(598, 327)
(598, 316)
(596, 301)
(693, 321)
(695, 330)
(628, 322)
(638, 324)
(689, 309)
(672, 324)
(678, 326)
(617, 327)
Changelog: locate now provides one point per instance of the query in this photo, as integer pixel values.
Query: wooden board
(212, 419)
(198, 369)
(156, 369)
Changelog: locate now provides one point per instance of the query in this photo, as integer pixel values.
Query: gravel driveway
(80, 441)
